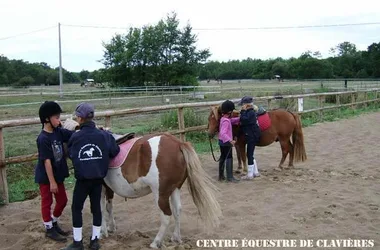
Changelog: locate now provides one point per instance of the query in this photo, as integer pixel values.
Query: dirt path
(334, 195)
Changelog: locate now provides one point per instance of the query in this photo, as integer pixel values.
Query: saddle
(261, 111)
(125, 143)
(120, 139)
(263, 119)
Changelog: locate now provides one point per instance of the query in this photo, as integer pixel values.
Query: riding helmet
(227, 106)
(48, 109)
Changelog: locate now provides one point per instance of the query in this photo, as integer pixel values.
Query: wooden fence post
(108, 121)
(352, 100)
(181, 124)
(3, 172)
(268, 100)
(320, 106)
(337, 102)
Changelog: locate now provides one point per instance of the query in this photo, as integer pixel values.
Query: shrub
(24, 82)
(169, 120)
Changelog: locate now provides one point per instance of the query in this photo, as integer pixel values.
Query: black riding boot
(54, 235)
(221, 170)
(230, 176)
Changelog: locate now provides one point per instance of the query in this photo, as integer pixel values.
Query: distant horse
(284, 125)
(159, 164)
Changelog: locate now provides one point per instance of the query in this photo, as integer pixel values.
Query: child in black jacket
(250, 127)
(90, 150)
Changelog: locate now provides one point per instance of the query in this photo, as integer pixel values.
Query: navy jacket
(90, 150)
(249, 125)
(50, 146)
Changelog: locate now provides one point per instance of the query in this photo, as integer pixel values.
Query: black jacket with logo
(90, 150)
(249, 125)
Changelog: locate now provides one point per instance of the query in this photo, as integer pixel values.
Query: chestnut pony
(158, 164)
(284, 125)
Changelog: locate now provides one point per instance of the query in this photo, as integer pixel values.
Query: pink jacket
(225, 128)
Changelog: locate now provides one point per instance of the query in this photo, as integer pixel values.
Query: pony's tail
(201, 187)
(298, 142)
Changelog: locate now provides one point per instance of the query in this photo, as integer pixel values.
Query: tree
(155, 54)
(344, 48)
(84, 74)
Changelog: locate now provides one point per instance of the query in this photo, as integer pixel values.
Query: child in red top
(226, 141)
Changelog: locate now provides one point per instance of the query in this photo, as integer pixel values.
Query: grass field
(21, 140)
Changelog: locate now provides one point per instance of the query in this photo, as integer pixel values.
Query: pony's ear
(219, 109)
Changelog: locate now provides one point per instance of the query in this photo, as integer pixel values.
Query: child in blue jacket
(90, 150)
(250, 127)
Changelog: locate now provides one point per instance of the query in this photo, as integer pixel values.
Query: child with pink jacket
(226, 141)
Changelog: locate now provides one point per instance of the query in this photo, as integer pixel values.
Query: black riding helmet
(227, 106)
(48, 109)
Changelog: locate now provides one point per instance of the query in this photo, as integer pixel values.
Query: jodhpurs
(225, 151)
(92, 188)
(250, 152)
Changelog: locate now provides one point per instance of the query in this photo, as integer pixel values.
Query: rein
(212, 151)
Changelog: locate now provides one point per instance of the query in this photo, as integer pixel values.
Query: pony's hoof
(103, 235)
(247, 178)
(176, 239)
(155, 245)
(238, 171)
(279, 169)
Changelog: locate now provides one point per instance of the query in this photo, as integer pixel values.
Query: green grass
(21, 140)
(21, 180)
(338, 114)
(21, 183)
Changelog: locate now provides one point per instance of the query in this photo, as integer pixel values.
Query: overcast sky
(82, 47)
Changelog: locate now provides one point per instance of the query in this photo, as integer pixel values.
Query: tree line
(164, 54)
(345, 62)
(19, 73)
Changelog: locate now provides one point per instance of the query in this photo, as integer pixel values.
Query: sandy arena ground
(335, 194)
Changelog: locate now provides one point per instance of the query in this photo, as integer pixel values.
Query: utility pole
(60, 62)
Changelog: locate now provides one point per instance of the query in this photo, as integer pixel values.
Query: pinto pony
(159, 164)
(284, 125)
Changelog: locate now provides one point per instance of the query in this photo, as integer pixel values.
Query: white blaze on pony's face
(70, 124)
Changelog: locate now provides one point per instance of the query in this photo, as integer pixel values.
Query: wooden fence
(182, 130)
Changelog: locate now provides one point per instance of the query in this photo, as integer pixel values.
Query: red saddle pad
(264, 121)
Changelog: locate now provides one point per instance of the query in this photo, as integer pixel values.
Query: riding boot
(256, 172)
(54, 235)
(59, 229)
(230, 176)
(221, 170)
(250, 173)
